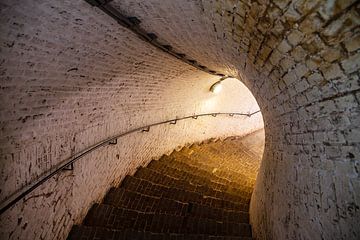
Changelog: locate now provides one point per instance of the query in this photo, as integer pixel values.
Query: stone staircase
(201, 192)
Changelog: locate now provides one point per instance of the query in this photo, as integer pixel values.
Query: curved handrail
(17, 196)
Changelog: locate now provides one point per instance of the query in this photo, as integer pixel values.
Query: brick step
(194, 175)
(238, 150)
(205, 162)
(209, 173)
(148, 188)
(158, 178)
(219, 214)
(165, 180)
(98, 233)
(107, 216)
(202, 163)
(123, 198)
(215, 149)
(210, 160)
(195, 170)
(175, 172)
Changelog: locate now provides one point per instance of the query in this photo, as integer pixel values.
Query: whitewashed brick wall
(70, 77)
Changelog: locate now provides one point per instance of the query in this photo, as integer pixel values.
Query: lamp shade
(216, 87)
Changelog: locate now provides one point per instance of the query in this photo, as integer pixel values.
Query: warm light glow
(216, 87)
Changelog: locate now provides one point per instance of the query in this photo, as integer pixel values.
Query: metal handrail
(17, 196)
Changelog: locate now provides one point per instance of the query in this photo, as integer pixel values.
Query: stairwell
(199, 192)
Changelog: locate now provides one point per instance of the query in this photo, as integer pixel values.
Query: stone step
(98, 233)
(123, 198)
(107, 216)
(194, 175)
(159, 178)
(156, 190)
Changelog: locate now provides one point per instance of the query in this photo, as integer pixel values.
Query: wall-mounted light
(217, 87)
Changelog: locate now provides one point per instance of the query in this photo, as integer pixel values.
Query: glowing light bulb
(216, 87)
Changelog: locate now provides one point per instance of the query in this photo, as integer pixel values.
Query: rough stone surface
(308, 185)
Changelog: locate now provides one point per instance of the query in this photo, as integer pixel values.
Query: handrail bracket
(113, 142)
(69, 167)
